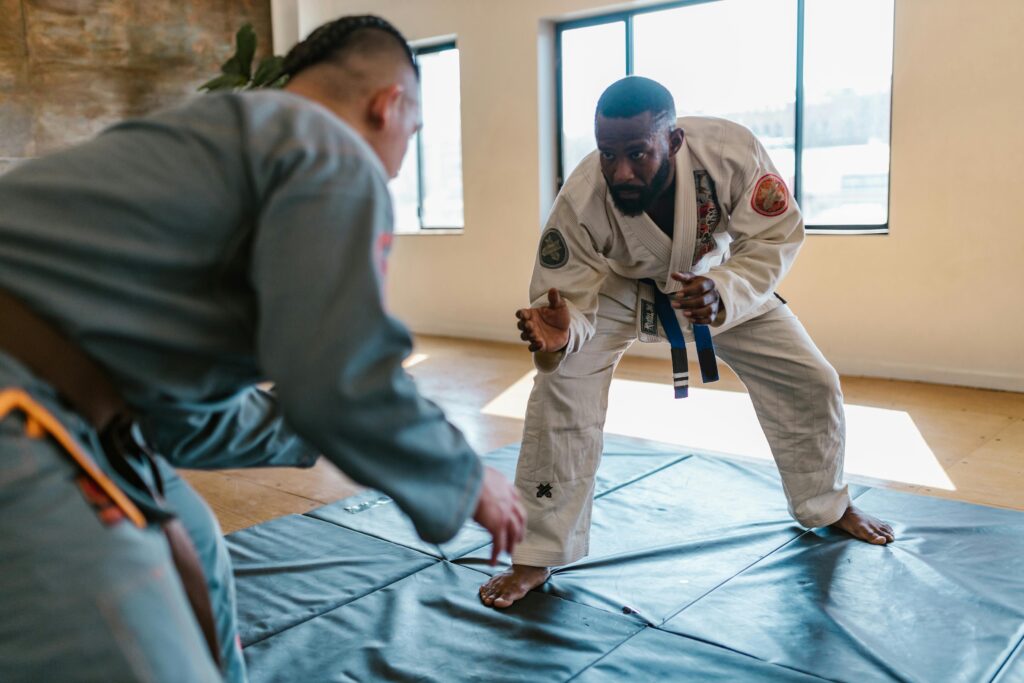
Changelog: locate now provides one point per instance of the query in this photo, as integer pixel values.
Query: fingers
(701, 316)
(499, 544)
(682, 277)
(685, 301)
(554, 298)
(530, 332)
(696, 287)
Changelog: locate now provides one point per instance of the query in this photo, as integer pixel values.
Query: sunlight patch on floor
(414, 359)
(881, 444)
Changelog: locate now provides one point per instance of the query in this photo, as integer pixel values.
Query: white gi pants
(795, 393)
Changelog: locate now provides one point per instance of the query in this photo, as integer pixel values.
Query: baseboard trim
(859, 367)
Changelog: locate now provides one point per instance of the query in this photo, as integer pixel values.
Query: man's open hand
(545, 328)
(500, 512)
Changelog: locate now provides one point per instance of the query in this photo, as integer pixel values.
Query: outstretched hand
(546, 328)
(500, 511)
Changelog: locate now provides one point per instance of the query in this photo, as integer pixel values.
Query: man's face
(636, 160)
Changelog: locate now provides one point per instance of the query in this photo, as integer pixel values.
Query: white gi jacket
(735, 222)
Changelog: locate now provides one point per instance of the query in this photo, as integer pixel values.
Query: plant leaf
(245, 48)
(224, 82)
(268, 71)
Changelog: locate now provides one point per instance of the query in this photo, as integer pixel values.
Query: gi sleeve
(569, 259)
(244, 430)
(334, 353)
(767, 231)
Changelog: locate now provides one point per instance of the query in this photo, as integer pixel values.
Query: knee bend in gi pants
(794, 390)
(88, 595)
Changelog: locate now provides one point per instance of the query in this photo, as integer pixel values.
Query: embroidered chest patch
(554, 253)
(770, 196)
(709, 214)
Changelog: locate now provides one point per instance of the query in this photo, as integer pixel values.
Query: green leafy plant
(237, 73)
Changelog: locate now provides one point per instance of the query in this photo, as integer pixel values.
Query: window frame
(627, 17)
(426, 48)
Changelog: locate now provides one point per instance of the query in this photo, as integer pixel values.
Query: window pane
(442, 140)
(593, 58)
(847, 90)
(735, 59)
(404, 192)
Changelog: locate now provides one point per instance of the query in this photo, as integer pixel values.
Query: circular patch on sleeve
(770, 196)
(554, 253)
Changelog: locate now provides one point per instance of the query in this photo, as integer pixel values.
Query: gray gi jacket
(239, 238)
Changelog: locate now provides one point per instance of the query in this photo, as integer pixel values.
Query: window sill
(846, 229)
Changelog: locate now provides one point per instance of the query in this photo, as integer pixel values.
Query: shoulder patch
(554, 253)
(770, 196)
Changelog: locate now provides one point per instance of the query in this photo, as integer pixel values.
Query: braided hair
(335, 39)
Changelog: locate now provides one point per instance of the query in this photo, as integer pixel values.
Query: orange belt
(87, 388)
(39, 422)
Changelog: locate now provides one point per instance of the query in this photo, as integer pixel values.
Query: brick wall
(69, 68)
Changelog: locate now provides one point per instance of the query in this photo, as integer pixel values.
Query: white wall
(938, 299)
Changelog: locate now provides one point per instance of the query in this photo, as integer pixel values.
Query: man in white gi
(695, 208)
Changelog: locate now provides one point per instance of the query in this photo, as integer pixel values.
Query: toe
(503, 602)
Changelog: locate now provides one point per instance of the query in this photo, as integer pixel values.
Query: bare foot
(512, 584)
(864, 527)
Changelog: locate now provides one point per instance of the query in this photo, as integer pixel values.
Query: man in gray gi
(177, 260)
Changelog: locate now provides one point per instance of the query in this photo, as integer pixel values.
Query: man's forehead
(637, 129)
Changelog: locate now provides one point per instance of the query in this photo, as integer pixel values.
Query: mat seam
(745, 654)
(359, 597)
(369, 535)
(1019, 647)
(727, 580)
(643, 476)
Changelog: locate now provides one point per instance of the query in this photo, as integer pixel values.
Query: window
(428, 190)
(811, 78)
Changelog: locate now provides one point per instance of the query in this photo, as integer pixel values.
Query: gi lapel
(685, 226)
(641, 229)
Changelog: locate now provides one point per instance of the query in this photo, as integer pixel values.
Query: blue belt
(702, 337)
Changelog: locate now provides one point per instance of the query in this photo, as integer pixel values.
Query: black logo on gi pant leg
(543, 490)
(554, 253)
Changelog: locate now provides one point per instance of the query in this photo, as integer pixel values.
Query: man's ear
(383, 106)
(675, 141)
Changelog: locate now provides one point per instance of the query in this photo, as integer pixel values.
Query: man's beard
(647, 193)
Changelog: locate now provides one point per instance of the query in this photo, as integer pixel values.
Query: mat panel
(945, 602)
(665, 540)
(291, 569)
(373, 513)
(431, 626)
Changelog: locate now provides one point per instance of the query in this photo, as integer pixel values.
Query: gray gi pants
(86, 601)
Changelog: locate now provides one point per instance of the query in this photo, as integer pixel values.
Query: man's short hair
(634, 95)
(335, 41)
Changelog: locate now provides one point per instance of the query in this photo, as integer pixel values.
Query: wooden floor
(954, 442)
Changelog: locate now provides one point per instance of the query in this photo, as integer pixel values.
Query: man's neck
(663, 211)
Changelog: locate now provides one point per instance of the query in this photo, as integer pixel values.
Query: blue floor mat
(696, 572)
